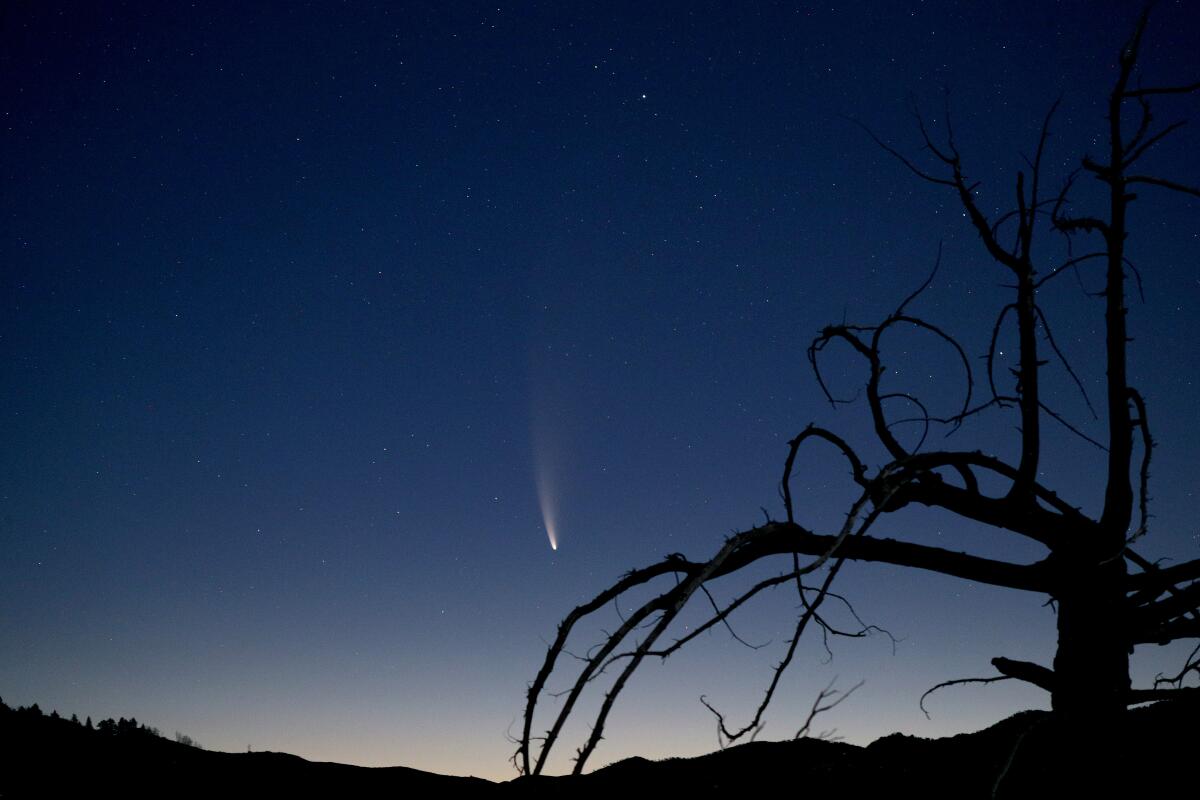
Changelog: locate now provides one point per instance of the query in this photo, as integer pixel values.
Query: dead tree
(1108, 597)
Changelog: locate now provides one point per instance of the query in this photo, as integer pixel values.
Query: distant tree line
(123, 728)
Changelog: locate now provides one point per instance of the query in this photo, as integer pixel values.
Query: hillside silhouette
(1022, 756)
(47, 756)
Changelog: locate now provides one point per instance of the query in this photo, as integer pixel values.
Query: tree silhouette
(1108, 597)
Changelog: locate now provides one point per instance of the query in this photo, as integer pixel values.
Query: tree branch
(817, 708)
(1026, 671)
(956, 682)
(1164, 183)
(1184, 89)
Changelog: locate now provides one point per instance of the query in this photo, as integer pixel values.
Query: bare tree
(1108, 597)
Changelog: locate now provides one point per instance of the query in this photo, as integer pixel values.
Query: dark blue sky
(298, 300)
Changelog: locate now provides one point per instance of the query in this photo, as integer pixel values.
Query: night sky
(302, 305)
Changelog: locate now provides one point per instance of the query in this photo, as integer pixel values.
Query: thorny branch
(956, 682)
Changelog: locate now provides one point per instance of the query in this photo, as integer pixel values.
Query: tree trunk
(1091, 666)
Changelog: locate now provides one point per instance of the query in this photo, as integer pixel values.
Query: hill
(49, 756)
(1026, 755)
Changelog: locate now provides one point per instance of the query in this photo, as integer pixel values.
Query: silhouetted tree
(1108, 597)
(183, 738)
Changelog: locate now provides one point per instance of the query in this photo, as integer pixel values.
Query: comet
(548, 504)
(548, 426)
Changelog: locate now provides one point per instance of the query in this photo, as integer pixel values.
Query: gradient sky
(300, 303)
